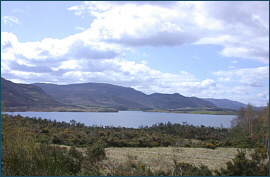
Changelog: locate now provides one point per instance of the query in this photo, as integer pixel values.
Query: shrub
(186, 169)
(56, 140)
(73, 152)
(241, 166)
(210, 146)
(43, 160)
(96, 152)
(186, 145)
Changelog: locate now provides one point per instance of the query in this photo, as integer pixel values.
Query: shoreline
(117, 111)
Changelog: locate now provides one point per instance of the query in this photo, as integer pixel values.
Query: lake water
(132, 118)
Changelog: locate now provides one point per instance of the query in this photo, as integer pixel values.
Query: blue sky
(205, 49)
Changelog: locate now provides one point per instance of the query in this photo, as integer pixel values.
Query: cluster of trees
(251, 127)
(25, 140)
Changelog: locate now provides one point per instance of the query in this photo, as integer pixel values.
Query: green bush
(96, 152)
(56, 140)
(73, 152)
(241, 166)
(186, 169)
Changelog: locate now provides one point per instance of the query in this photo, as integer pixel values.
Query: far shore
(110, 110)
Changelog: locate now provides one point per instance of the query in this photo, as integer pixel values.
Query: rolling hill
(225, 103)
(118, 97)
(28, 97)
(95, 95)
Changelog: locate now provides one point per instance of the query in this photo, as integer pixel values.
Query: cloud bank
(97, 54)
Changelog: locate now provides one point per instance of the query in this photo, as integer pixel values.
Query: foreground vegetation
(35, 146)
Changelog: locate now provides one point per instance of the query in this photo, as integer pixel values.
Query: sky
(207, 49)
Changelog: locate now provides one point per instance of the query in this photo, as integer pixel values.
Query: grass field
(161, 157)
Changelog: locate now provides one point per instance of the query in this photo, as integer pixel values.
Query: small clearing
(161, 157)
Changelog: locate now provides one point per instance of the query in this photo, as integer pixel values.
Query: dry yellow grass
(161, 157)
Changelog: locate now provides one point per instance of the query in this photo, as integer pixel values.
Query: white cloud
(248, 76)
(17, 10)
(196, 57)
(244, 94)
(69, 64)
(243, 32)
(256, 73)
(79, 28)
(138, 24)
(72, 60)
(225, 79)
(263, 94)
(145, 54)
(10, 20)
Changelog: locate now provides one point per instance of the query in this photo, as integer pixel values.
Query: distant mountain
(107, 95)
(96, 95)
(202, 103)
(225, 103)
(27, 97)
(91, 97)
(171, 101)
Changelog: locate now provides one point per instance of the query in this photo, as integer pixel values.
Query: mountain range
(96, 97)
(225, 103)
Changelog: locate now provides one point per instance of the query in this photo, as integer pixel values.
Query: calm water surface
(133, 118)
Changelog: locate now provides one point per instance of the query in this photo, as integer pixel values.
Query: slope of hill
(28, 97)
(171, 101)
(225, 103)
(107, 95)
(96, 95)
(202, 103)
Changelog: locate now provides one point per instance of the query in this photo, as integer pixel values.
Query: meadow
(160, 157)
